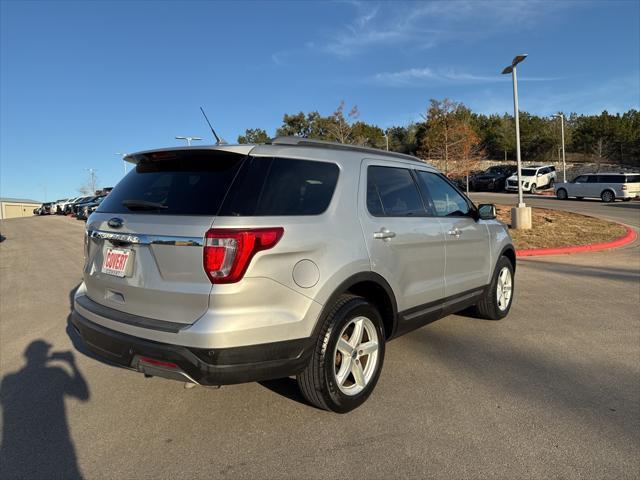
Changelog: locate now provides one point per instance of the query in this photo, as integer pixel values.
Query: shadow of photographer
(36, 441)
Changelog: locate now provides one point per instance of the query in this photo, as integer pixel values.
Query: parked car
(69, 207)
(86, 209)
(237, 263)
(76, 206)
(66, 205)
(533, 179)
(56, 205)
(493, 178)
(45, 209)
(460, 181)
(606, 186)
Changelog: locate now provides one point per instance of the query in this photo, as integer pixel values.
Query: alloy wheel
(504, 288)
(356, 355)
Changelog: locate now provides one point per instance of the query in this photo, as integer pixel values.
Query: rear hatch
(145, 241)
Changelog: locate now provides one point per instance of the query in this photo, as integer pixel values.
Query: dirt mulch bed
(556, 228)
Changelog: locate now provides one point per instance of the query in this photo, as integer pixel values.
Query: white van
(607, 186)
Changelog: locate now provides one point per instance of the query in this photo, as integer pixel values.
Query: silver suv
(229, 264)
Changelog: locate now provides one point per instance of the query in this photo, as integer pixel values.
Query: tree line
(455, 138)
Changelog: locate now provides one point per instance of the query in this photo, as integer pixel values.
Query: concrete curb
(625, 239)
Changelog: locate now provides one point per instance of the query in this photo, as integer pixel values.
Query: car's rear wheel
(533, 188)
(607, 196)
(561, 194)
(497, 300)
(347, 358)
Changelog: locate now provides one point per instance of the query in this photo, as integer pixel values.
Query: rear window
(281, 186)
(192, 184)
(611, 178)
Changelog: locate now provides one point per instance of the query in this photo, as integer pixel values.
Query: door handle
(384, 234)
(455, 233)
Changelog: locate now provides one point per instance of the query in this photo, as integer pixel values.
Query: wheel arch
(509, 252)
(375, 289)
(608, 189)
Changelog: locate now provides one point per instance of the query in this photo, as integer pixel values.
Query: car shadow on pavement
(610, 273)
(36, 442)
(635, 205)
(286, 387)
(602, 396)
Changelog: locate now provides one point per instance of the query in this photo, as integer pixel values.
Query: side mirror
(539, 175)
(487, 211)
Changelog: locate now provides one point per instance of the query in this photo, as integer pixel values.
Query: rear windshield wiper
(143, 205)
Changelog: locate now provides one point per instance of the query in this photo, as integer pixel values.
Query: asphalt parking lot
(551, 391)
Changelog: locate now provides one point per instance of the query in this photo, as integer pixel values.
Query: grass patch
(556, 228)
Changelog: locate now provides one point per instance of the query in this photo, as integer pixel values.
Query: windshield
(528, 172)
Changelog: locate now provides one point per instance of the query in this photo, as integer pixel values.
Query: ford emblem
(115, 222)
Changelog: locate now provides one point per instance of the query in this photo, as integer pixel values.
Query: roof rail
(309, 142)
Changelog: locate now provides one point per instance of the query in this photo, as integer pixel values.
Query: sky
(81, 81)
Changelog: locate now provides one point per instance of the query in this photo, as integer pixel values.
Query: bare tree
(450, 142)
(339, 127)
(90, 184)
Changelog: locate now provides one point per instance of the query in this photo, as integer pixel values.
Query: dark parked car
(88, 208)
(77, 208)
(493, 178)
(70, 207)
(45, 209)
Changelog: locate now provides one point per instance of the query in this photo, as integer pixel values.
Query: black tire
(533, 188)
(608, 196)
(552, 182)
(317, 382)
(561, 194)
(488, 308)
(626, 199)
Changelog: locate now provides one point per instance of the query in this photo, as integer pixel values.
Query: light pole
(564, 164)
(520, 216)
(188, 139)
(122, 155)
(92, 175)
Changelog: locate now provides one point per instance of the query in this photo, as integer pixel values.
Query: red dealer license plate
(118, 262)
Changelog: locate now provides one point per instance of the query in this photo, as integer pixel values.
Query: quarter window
(391, 192)
(444, 199)
(281, 186)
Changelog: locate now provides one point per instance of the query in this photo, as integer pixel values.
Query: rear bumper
(221, 366)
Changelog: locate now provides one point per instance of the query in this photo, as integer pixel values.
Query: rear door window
(281, 186)
(391, 192)
(632, 179)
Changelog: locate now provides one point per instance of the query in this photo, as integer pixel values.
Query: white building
(17, 207)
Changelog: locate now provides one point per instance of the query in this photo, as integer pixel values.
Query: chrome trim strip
(143, 239)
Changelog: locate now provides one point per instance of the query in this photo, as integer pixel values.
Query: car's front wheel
(347, 357)
(496, 302)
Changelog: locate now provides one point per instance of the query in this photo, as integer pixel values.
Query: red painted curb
(625, 239)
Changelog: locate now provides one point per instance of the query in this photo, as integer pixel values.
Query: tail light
(624, 187)
(228, 252)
